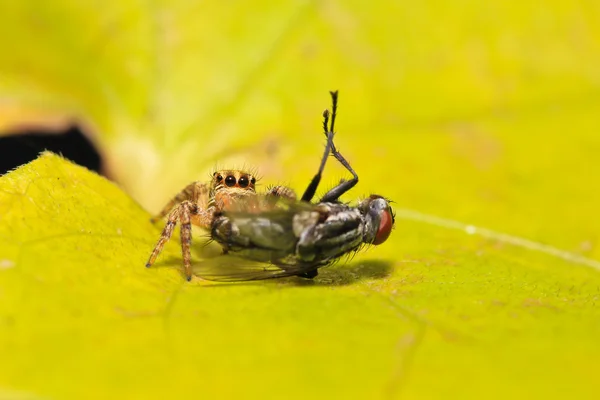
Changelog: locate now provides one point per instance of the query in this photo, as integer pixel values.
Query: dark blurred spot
(19, 148)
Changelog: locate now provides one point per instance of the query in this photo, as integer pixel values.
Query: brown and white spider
(198, 202)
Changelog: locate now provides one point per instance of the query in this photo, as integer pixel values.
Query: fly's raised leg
(310, 191)
(335, 193)
(343, 186)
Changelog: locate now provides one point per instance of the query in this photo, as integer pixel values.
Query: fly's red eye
(385, 227)
(230, 180)
(243, 181)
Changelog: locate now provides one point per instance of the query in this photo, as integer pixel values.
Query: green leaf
(473, 112)
(79, 310)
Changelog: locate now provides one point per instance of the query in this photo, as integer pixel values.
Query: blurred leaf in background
(470, 111)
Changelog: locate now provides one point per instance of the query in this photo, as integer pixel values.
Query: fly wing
(261, 224)
(260, 234)
(230, 268)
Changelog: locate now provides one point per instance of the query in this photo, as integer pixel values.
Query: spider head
(233, 180)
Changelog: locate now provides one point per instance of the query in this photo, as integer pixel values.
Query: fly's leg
(192, 192)
(335, 193)
(309, 193)
(343, 186)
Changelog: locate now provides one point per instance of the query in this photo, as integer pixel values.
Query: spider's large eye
(243, 181)
(230, 180)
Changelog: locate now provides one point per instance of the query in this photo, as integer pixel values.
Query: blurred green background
(485, 113)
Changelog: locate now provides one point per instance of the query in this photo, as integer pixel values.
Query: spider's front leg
(184, 212)
(191, 205)
(281, 191)
(187, 209)
(164, 236)
(196, 191)
(197, 203)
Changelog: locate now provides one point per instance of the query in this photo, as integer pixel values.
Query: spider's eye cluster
(230, 180)
(243, 181)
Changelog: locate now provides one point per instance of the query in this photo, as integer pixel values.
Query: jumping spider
(198, 203)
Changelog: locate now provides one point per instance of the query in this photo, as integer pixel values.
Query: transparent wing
(262, 224)
(269, 204)
(259, 233)
(231, 268)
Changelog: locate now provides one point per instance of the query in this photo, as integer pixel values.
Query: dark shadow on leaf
(340, 275)
(335, 275)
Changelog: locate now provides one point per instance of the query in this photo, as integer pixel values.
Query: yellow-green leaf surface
(479, 120)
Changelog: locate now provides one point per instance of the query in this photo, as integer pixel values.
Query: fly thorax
(303, 221)
(223, 230)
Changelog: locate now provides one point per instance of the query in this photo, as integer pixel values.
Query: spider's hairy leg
(183, 212)
(197, 192)
(164, 236)
(187, 208)
(282, 192)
